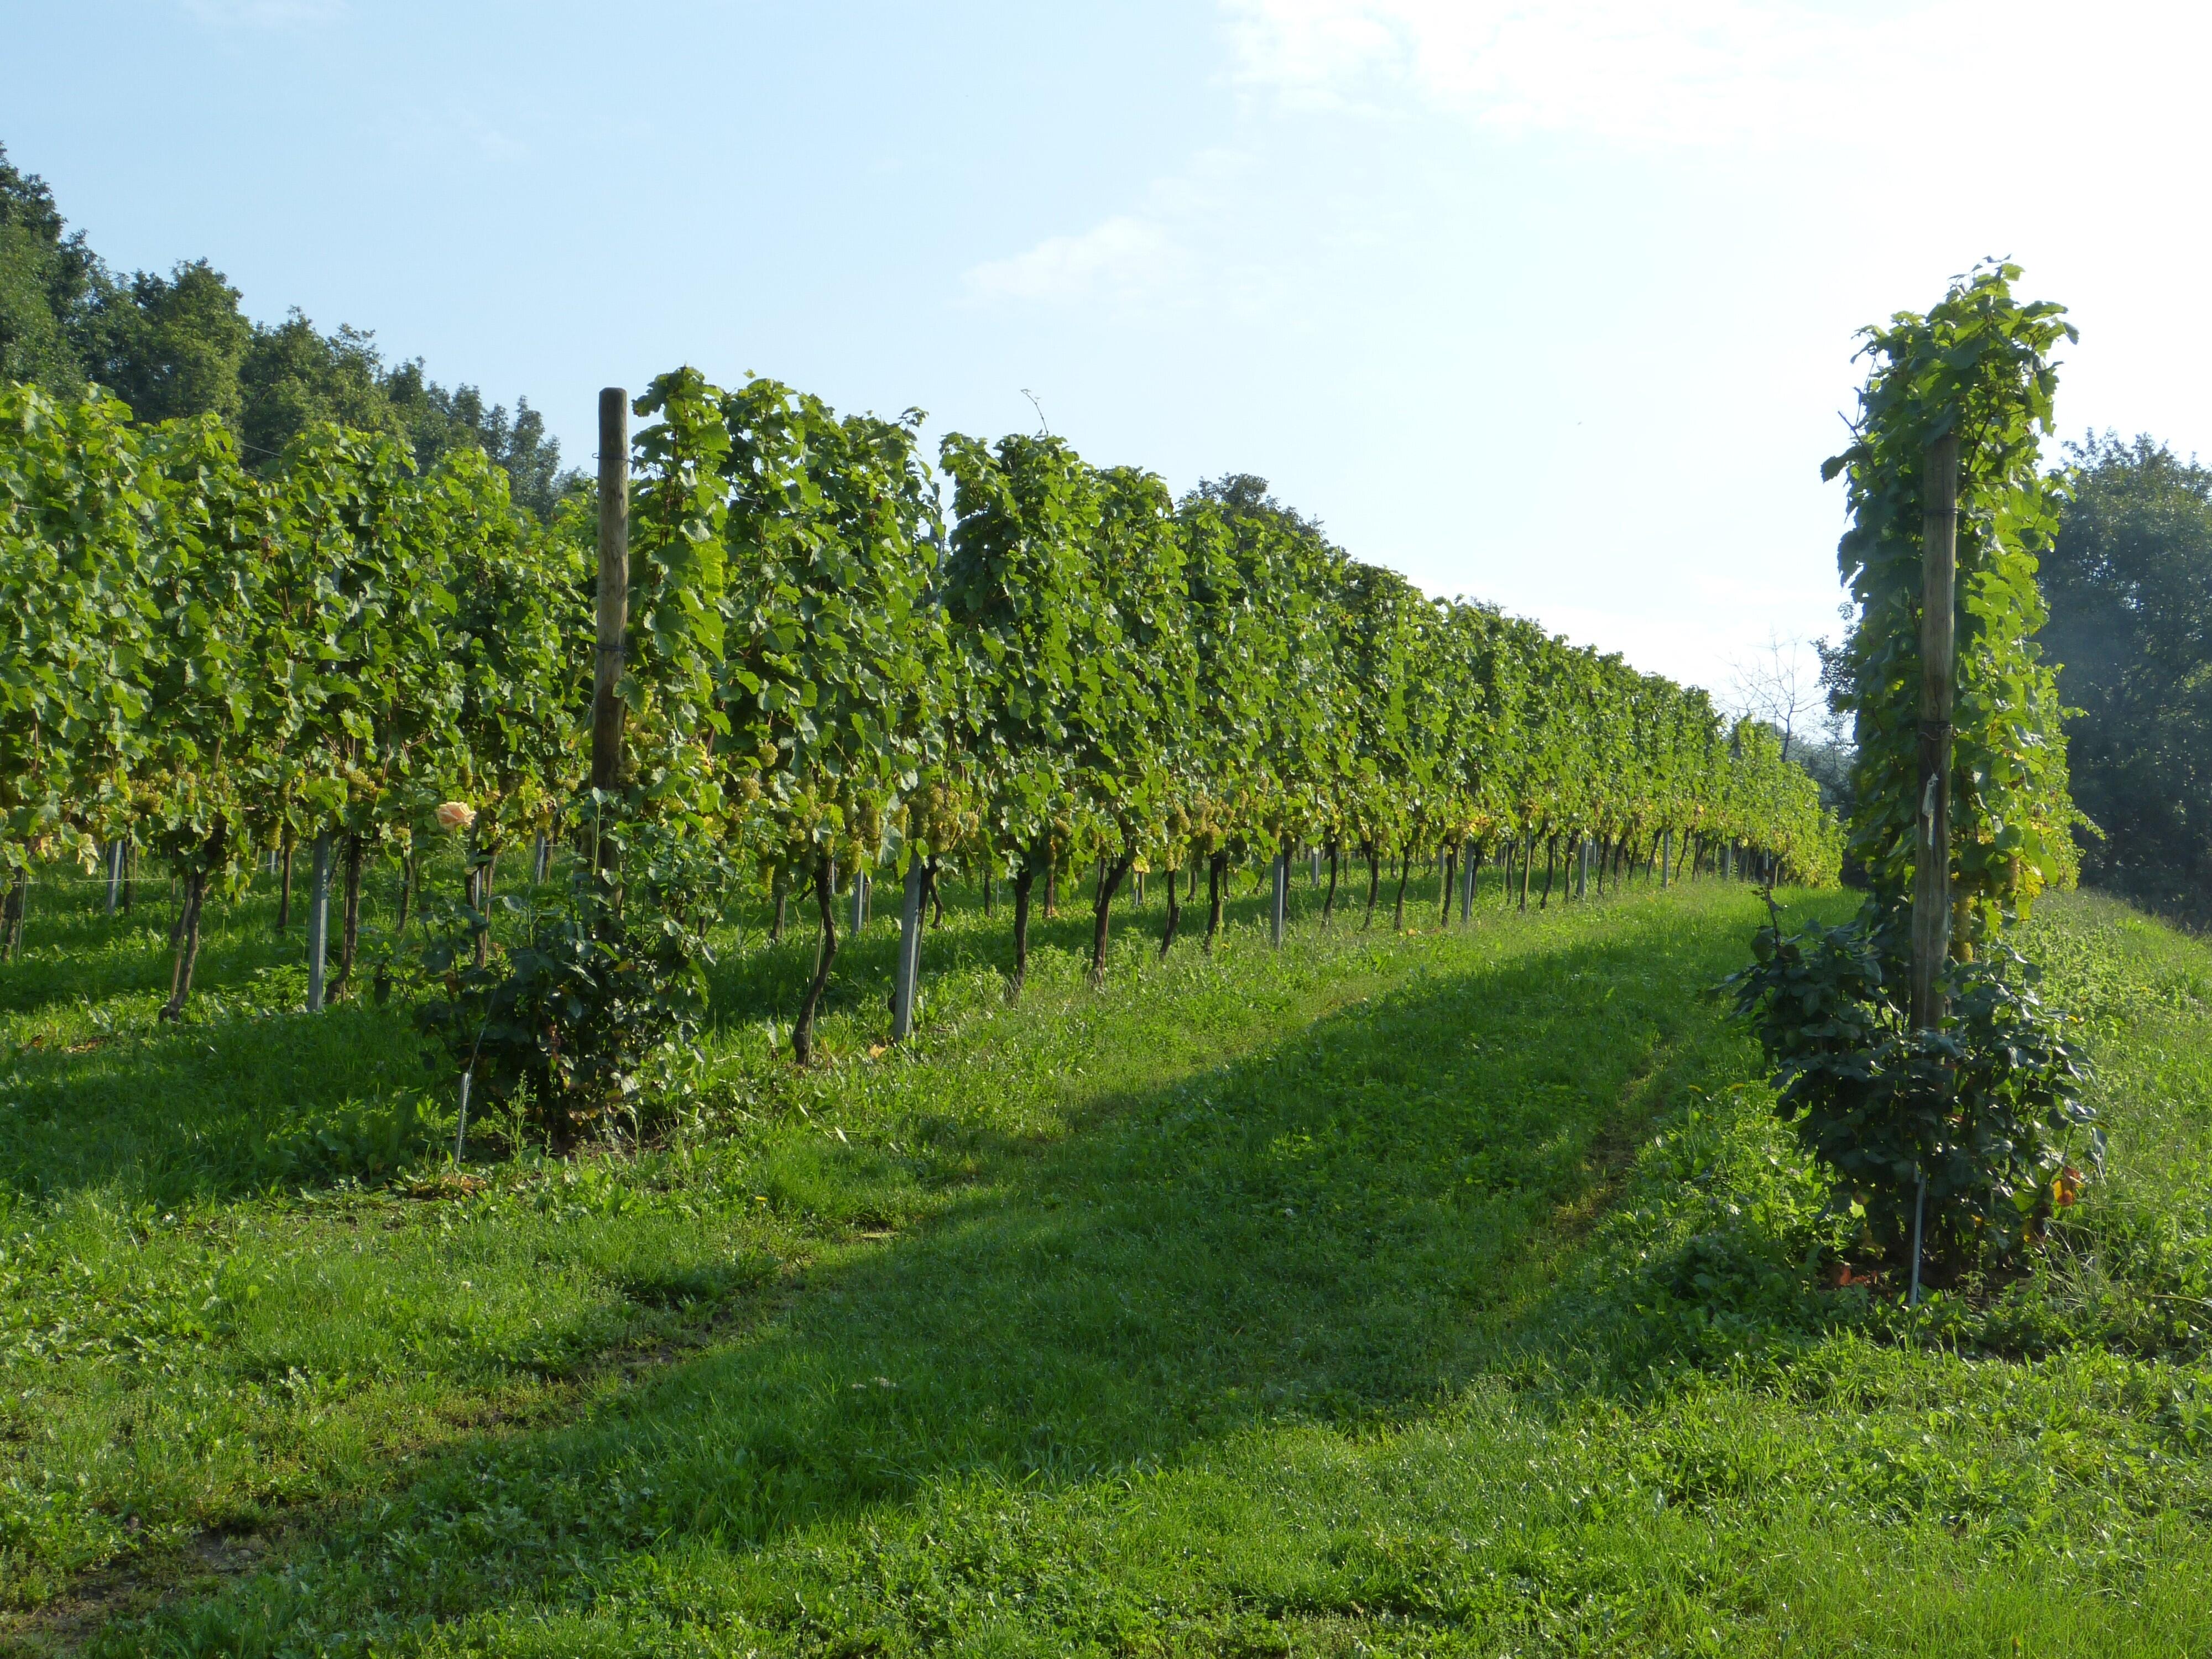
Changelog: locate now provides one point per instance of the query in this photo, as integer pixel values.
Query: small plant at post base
(572, 1021)
(1987, 1108)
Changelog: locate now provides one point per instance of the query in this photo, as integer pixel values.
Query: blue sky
(1549, 304)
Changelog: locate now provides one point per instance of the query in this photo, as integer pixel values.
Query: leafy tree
(174, 346)
(438, 421)
(293, 378)
(180, 345)
(49, 282)
(2129, 582)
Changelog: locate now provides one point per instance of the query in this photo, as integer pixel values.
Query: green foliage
(836, 654)
(47, 285)
(1988, 1111)
(523, 598)
(1977, 364)
(79, 620)
(1026, 613)
(222, 658)
(360, 610)
(2129, 580)
(211, 662)
(580, 1024)
(1982, 1110)
(175, 347)
(180, 346)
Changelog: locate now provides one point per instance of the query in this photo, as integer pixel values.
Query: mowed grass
(1445, 1293)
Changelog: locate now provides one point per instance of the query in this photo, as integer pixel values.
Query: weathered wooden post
(614, 600)
(1931, 887)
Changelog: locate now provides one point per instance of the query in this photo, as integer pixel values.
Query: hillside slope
(1453, 1292)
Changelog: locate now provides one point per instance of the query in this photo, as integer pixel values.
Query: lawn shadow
(205, 1113)
(1338, 1230)
(251, 1094)
(770, 979)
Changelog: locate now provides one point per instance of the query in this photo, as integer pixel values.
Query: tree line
(177, 345)
(2129, 579)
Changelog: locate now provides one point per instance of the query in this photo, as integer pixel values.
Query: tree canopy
(170, 347)
(2129, 580)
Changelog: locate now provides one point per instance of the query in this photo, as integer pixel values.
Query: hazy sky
(1551, 305)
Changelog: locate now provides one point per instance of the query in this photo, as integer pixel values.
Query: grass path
(1431, 1294)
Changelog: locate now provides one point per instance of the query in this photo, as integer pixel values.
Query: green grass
(1451, 1292)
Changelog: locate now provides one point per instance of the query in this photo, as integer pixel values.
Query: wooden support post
(614, 597)
(1931, 885)
(909, 957)
(318, 921)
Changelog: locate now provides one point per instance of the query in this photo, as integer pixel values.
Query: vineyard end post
(613, 614)
(1931, 887)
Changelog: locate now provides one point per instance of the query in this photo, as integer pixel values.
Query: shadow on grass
(251, 1095)
(1338, 1230)
(247, 1094)
(207, 1113)
(770, 979)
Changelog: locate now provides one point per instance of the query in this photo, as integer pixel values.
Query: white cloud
(1125, 257)
(1734, 71)
(1688, 70)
